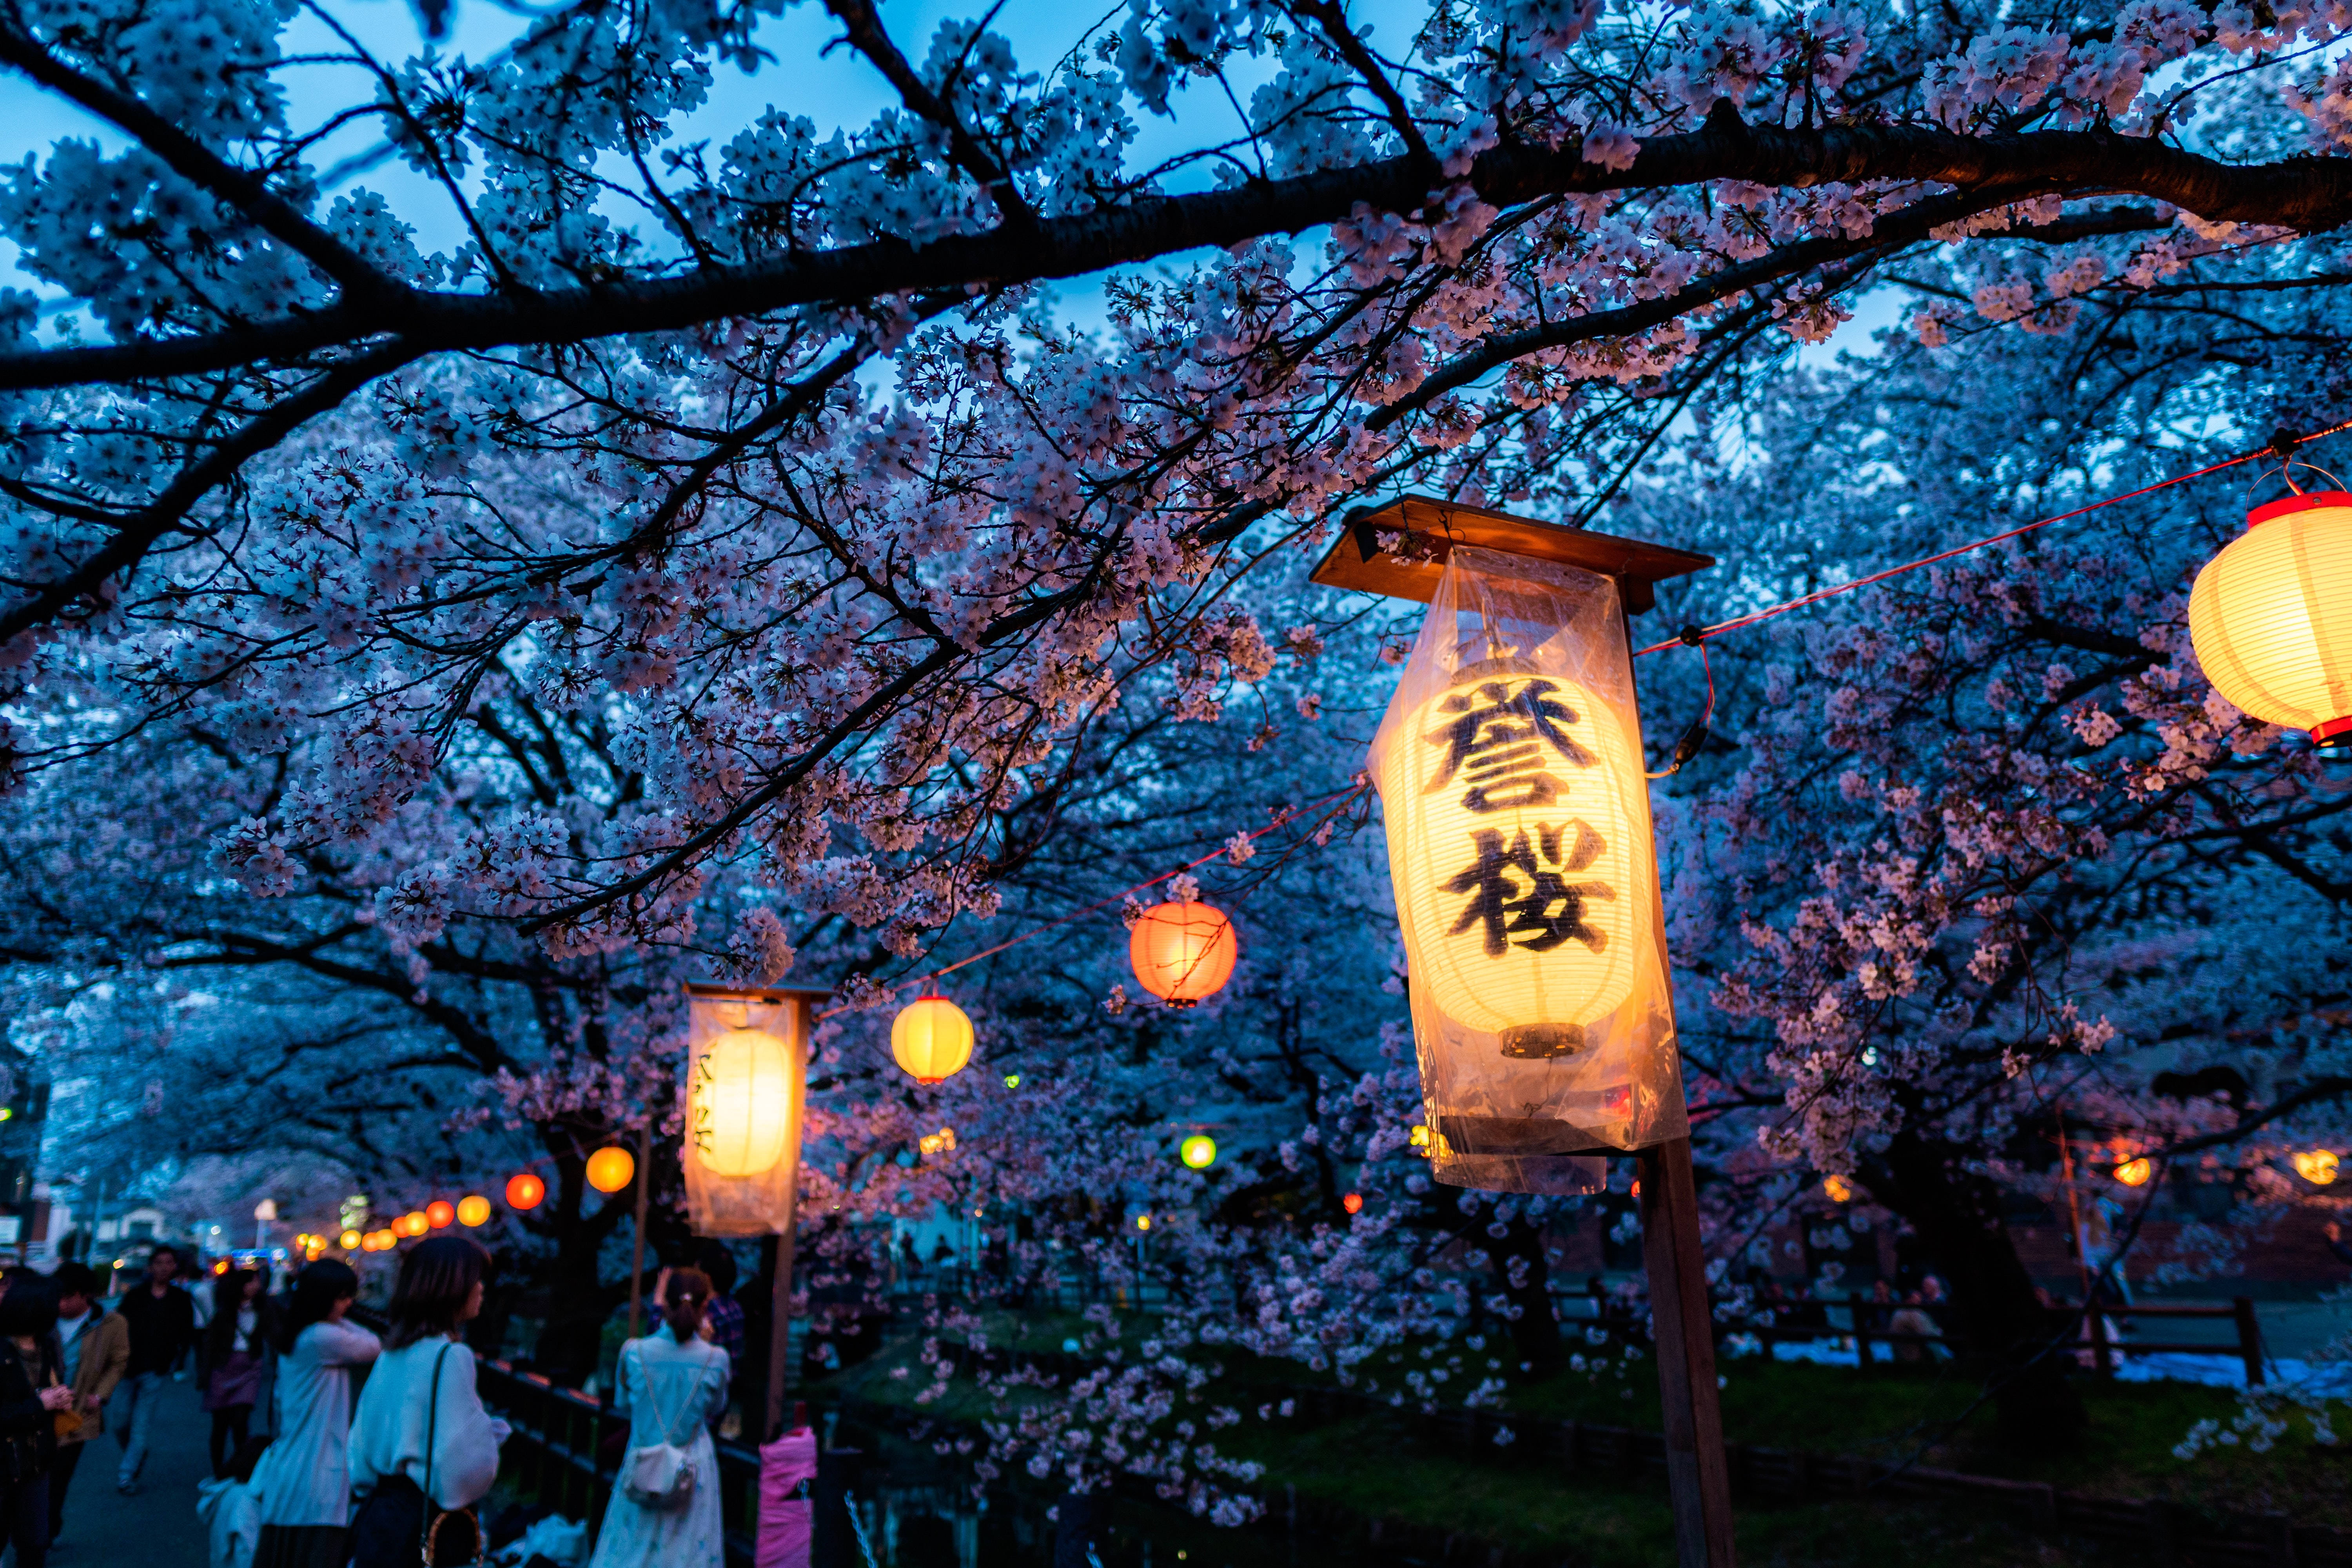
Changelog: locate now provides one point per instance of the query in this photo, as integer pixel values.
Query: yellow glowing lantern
(2317, 1166)
(351, 1239)
(412, 1223)
(2135, 1172)
(1839, 1189)
(741, 1106)
(440, 1213)
(2272, 617)
(1182, 952)
(932, 1038)
(525, 1191)
(1143, 1222)
(610, 1168)
(1199, 1151)
(941, 1142)
(473, 1210)
(1511, 779)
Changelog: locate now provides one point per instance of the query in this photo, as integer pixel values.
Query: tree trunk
(1535, 1329)
(2001, 1326)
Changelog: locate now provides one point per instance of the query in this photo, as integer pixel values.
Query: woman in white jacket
(303, 1477)
(672, 1385)
(421, 1445)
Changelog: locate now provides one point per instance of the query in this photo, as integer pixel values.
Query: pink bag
(785, 1520)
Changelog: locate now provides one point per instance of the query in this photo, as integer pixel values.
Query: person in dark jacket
(162, 1321)
(32, 1391)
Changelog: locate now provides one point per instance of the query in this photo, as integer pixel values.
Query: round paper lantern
(610, 1168)
(412, 1223)
(2317, 1166)
(1200, 1151)
(525, 1191)
(1353, 1203)
(2136, 1173)
(742, 1105)
(2272, 617)
(473, 1209)
(1517, 851)
(1181, 952)
(440, 1213)
(351, 1239)
(932, 1038)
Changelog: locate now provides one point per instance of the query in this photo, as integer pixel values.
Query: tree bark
(2002, 1328)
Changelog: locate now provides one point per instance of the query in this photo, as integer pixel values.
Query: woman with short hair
(304, 1476)
(672, 1383)
(422, 1446)
(32, 1391)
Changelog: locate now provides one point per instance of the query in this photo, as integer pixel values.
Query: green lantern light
(1200, 1151)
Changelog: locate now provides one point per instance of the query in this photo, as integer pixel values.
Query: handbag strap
(665, 1422)
(426, 1523)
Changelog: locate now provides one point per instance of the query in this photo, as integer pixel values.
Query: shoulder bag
(659, 1475)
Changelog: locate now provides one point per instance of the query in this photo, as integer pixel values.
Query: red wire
(1817, 595)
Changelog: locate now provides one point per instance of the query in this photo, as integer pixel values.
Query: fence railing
(2099, 1344)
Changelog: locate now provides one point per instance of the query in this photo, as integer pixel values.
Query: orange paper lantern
(932, 1038)
(1182, 952)
(412, 1223)
(2136, 1173)
(610, 1168)
(525, 1191)
(440, 1213)
(473, 1209)
(2272, 617)
(1353, 1203)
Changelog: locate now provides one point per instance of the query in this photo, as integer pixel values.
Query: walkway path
(157, 1528)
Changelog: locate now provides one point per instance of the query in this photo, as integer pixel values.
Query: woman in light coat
(304, 1476)
(672, 1385)
(421, 1445)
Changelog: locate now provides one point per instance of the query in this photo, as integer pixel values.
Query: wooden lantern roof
(1430, 529)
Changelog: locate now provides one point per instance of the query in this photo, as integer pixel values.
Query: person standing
(421, 1445)
(32, 1394)
(94, 1346)
(162, 1323)
(237, 1352)
(672, 1383)
(304, 1476)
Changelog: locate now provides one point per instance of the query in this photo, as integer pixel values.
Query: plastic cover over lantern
(1510, 773)
(743, 1107)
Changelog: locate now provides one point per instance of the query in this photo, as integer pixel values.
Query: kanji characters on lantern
(745, 1055)
(1510, 768)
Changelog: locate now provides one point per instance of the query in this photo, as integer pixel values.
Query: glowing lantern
(1182, 952)
(351, 1239)
(1840, 1190)
(932, 1038)
(939, 1143)
(610, 1168)
(746, 1058)
(2317, 1166)
(525, 1191)
(1420, 1137)
(1143, 1222)
(440, 1213)
(1510, 773)
(2135, 1173)
(1353, 1203)
(1013, 1080)
(473, 1209)
(412, 1223)
(740, 1103)
(1199, 1151)
(2272, 617)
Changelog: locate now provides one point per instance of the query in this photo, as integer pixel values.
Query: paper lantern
(1199, 1151)
(412, 1223)
(525, 1191)
(473, 1209)
(2272, 617)
(1839, 1189)
(440, 1213)
(746, 1055)
(351, 1239)
(1182, 952)
(2135, 1173)
(932, 1038)
(1353, 1203)
(943, 1141)
(1511, 774)
(2317, 1166)
(610, 1168)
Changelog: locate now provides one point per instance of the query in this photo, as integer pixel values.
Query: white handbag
(659, 1475)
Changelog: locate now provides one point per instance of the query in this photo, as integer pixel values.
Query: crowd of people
(374, 1450)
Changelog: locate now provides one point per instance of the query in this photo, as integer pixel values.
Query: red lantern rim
(2287, 506)
(2332, 729)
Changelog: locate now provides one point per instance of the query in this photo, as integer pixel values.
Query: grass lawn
(1384, 1465)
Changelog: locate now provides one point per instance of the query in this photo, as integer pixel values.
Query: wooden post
(1682, 1328)
(638, 1250)
(780, 1301)
(2249, 1338)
